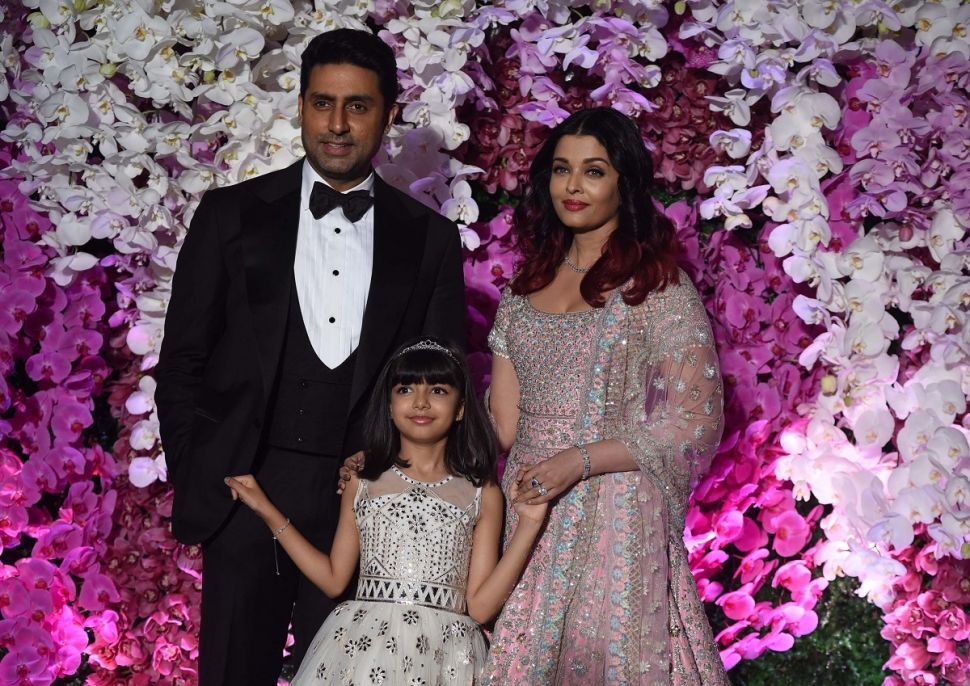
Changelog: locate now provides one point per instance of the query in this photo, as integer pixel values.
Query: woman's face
(584, 185)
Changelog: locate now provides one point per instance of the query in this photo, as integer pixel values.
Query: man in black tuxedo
(291, 290)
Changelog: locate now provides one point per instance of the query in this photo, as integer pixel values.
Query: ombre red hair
(644, 245)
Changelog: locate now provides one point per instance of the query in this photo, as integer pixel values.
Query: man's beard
(358, 169)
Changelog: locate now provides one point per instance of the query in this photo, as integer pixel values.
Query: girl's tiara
(428, 344)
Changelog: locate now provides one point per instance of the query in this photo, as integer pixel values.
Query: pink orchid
(737, 604)
(954, 624)
(752, 536)
(25, 666)
(97, 592)
(911, 655)
(794, 576)
(753, 569)
(70, 418)
(791, 533)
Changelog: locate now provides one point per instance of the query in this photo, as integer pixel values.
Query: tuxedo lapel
(398, 248)
(269, 230)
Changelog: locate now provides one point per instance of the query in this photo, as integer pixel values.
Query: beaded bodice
(415, 539)
(550, 352)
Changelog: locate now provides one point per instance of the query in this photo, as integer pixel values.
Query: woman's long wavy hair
(471, 449)
(643, 247)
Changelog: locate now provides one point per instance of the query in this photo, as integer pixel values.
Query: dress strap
(361, 491)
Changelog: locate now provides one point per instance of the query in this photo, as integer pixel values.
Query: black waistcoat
(311, 405)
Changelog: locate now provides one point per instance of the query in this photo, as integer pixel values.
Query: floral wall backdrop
(814, 156)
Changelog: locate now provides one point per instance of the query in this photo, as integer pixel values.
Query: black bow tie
(354, 204)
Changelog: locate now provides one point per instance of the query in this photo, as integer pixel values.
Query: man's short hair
(352, 46)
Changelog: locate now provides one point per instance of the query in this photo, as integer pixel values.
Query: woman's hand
(553, 477)
(352, 465)
(526, 511)
(246, 489)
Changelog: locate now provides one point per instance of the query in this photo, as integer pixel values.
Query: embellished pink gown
(607, 596)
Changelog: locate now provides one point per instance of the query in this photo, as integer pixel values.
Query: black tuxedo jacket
(225, 324)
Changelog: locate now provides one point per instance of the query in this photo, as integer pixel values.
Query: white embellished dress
(408, 625)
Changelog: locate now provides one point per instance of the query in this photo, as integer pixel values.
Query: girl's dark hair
(471, 448)
(644, 245)
(357, 47)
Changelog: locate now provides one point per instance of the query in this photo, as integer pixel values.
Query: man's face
(343, 120)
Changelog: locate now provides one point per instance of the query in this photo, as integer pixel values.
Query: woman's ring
(542, 490)
(535, 483)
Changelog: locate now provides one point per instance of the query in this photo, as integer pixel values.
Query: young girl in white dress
(424, 518)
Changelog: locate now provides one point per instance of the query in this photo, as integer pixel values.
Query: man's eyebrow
(361, 97)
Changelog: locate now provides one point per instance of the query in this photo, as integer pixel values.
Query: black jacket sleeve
(193, 323)
(445, 317)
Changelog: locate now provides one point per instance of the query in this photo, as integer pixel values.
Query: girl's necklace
(575, 267)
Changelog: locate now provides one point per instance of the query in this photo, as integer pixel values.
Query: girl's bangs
(424, 366)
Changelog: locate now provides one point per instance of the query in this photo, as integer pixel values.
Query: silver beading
(428, 344)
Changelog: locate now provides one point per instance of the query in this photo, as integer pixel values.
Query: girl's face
(584, 185)
(424, 413)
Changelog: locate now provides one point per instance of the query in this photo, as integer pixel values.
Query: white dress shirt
(333, 265)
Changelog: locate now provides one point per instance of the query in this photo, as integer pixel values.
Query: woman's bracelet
(584, 453)
(276, 535)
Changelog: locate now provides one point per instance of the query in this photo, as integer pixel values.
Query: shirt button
(299, 439)
(336, 230)
(304, 383)
(332, 320)
(336, 272)
(301, 411)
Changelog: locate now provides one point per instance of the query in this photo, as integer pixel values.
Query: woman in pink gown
(606, 387)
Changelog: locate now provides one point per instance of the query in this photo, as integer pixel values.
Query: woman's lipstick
(574, 205)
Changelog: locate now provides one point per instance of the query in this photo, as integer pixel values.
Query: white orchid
(958, 492)
(802, 114)
(570, 41)
(64, 269)
(895, 531)
(944, 232)
(874, 427)
(821, 71)
(876, 573)
(461, 207)
(144, 471)
(736, 142)
(943, 27)
(732, 204)
(136, 34)
(864, 260)
(803, 234)
(736, 104)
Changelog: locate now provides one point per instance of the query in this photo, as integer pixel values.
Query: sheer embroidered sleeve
(497, 337)
(671, 415)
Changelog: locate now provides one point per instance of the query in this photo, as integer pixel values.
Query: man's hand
(352, 465)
